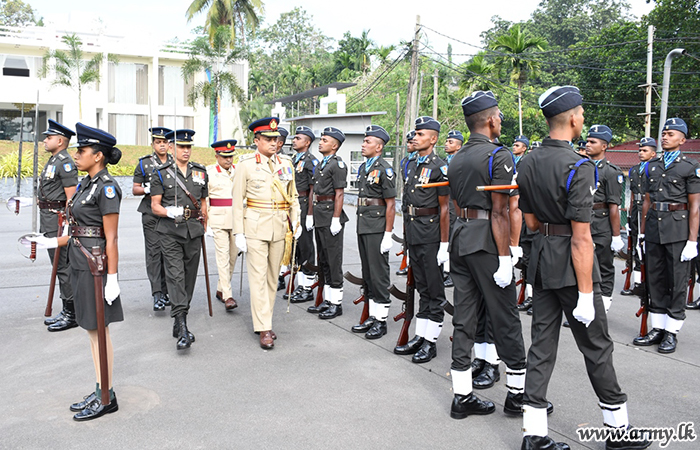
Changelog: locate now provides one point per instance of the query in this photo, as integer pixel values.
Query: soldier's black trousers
(49, 226)
(605, 262)
(155, 266)
(305, 243)
(475, 288)
(593, 342)
(427, 276)
(330, 254)
(668, 278)
(181, 265)
(375, 267)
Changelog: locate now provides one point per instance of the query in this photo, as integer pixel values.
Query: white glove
(42, 242)
(111, 288)
(335, 226)
(443, 255)
(584, 311)
(209, 232)
(147, 188)
(386, 243)
(504, 275)
(617, 243)
(174, 211)
(690, 251)
(309, 222)
(641, 248)
(23, 202)
(515, 254)
(297, 231)
(241, 243)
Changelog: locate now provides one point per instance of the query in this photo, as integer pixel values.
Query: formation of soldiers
(466, 224)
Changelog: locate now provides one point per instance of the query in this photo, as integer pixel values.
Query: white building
(144, 89)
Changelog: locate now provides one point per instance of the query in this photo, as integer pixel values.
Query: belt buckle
(546, 228)
(411, 210)
(187, 213)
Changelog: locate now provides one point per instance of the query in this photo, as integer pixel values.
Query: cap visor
(270, 133)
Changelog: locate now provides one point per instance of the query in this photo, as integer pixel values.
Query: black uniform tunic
(327, 178)
(155, 268)
(304, 164)
(666, 233)
(379, 182)
(422, 232)
(59, 173)
(474, 256)
(181, 242)
(95, 197)
(609, 192)
(546, 192)
(636, 181)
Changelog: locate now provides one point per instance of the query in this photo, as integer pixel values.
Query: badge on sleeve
(697, 172)
(443, 169)
(389, 172)
(620, 178)
(67, 167)
(341, 164)
(110, 192)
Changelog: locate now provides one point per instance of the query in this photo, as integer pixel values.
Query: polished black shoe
(636, 290)
(426, 352)
(655, 336)
(566, 324)
(324, 305)
(411, 346)
(304, 295)
(166, 299)
(96, 409)
(54, 319)
(447, 279)
(364, 326)
(281, 285)
(183, 339)
(75, 407)
(529, 311)
(402, 272)
(478, 365)
(332, 312)
(693, 305)
(158, 303)
(487, 377)
(294, 292)
(176, 331)
(514, 405)
(626, 444)
(542, 443)
(378, 330)
(467, 405)
(525, 305)
(668, 343)
(66, 323)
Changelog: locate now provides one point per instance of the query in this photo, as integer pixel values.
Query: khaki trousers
(264, 259)
(226, 255)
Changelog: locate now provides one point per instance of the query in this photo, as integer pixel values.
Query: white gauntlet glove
(516, 253)
(584, 311)
(147, 188)
(386, 243)
(504, 275)
(241, 243)
(309, 222)
(690, 251)
(640, 244)
(335, 226)
(443, 255)
(297, 231)
(111, 288)
(42, 242)
(174, 211)
(617, 243)
(209, 232)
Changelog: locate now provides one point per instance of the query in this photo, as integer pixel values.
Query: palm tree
(383, 53)
(514, 47)
(477, 73)
(239, 15)
(213, 59)
(71, 69)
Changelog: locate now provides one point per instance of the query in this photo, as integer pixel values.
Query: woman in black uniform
(93, 216)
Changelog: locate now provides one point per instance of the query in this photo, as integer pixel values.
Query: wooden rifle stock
(54, 268)
(408, 309)
(691, 282)
(643, 311)
(362, 298)
(521, 283)
(629, 264)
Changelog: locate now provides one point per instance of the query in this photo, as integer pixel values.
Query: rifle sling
(195, 202)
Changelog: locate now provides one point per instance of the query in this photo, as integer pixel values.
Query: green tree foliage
(239, 15)
(16, 13)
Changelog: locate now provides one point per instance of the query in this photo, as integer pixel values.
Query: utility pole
(665, 87)
(420, 94)
(435, 93)
(410, 115)
(397, 141)
(649, 85)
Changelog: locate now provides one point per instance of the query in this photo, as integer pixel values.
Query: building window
(181, 122)
(128, 83)
(129, 129)
(19, 66)
(172, 89)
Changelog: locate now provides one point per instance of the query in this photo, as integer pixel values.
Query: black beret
(377, 131)
(427, 123)
(558, 99)
(478, 101)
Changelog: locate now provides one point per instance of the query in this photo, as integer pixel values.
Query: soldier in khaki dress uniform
(219, 206)
(265, 207)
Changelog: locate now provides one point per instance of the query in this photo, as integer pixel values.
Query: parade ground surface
(321, 387)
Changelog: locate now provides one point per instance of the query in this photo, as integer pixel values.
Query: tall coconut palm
(477, 74)
(514, 47)
(71, 69)
(239, 15)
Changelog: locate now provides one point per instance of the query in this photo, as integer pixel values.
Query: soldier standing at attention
(155, 267)
(605, 223)
(520, 149)
(376, 209)
(265, 208)
(427, 230)
(220, 215)
(57, 183)
(453, 143)
(403, 168)
(178, 196)
(304, 164)
(330, 180)
(556, 196)
(669, 232)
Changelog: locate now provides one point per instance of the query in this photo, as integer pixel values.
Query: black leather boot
(626, 444)
(52, 320)
(281, 285)
(304, 295)
(693, 305)
(411, 346)
(96, 409)
(332, 312)
(364, 326)
(477, 367)
(166, 299)
(402, 272)
(466, 405)
(525, 305)
(324, 305)
(447, 279)
(635, 290)
(487, 377)
(183, 339)
(514, 405)
(426, 352)
(68, 320)
(158, 302)
(378, 330)
(542, 443)
(295, 293)
(655, 336)
(668, 343)
(176, 330)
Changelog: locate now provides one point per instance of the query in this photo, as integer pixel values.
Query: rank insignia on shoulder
(341, 164)
(389, 172)
(106, 177)
(67, 167)
(110, 192)
(620, 178)
(60, 156)
(443, 169)
(697, 172)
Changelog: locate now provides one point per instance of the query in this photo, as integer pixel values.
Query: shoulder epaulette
(145, 156)
(285, 157)
(165, 165)
(196, 164)
(246, 157)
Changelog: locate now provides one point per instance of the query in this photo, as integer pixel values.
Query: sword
(206, 274)
(32, 254)
(240, 284)
(97, 262)
(291, 273)
(19, 160)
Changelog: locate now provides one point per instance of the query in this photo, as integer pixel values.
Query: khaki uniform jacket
(254, 181)
(220, 188)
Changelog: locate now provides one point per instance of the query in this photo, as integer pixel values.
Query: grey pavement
(321, 387)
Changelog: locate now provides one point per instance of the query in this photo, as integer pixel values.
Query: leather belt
(665, 206)
(555, 229)
(413, 211)
(600, 205)
(471, 213)
(324, 198)
(364, 201)
(90, 232)
(58, 204)
(190, 213)
(303, 193)
(220, 202)
(638, 197)
(259, 204)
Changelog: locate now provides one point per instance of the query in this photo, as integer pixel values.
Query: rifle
(691, 281)
(408, 309)
(629, 264)
(362, 298)
(54, 268)
(522, 284)
(404, 260)
(644, 298)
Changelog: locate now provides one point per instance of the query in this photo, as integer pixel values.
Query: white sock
(336, 295)
(528, 290)
(607, 303)
(534, 421)
(432, 331)
(461, 381)
(381, 311)
(637, 277)
(491, 355)
(614, 416)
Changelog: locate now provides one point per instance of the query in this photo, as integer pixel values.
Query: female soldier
(93, 215)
